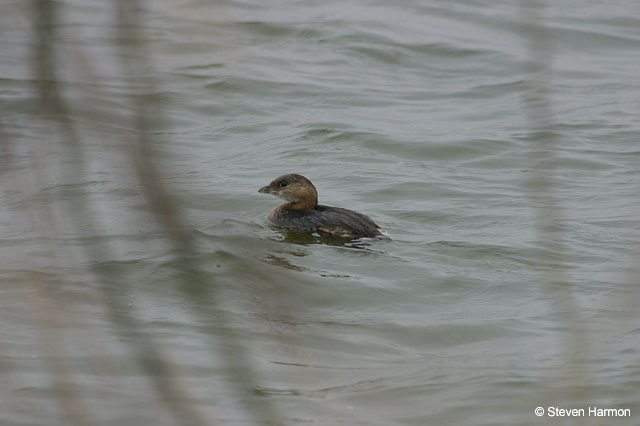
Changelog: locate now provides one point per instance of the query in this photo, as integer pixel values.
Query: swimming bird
(302, 213)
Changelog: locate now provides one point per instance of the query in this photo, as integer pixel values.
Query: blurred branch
(541, 188)
(164, 205)
(50, 103)
(113, 284)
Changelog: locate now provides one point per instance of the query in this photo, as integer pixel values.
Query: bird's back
(336, 221)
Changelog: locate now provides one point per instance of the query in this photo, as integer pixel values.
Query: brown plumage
(302, 213)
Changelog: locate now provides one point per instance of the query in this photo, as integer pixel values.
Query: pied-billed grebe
(302, 213)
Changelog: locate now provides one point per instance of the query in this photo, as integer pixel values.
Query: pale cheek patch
(285, 197)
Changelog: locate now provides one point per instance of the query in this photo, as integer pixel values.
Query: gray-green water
(496, 142)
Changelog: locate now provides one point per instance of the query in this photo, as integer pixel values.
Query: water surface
(496, 142)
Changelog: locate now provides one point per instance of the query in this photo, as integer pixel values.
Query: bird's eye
(283, 184)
